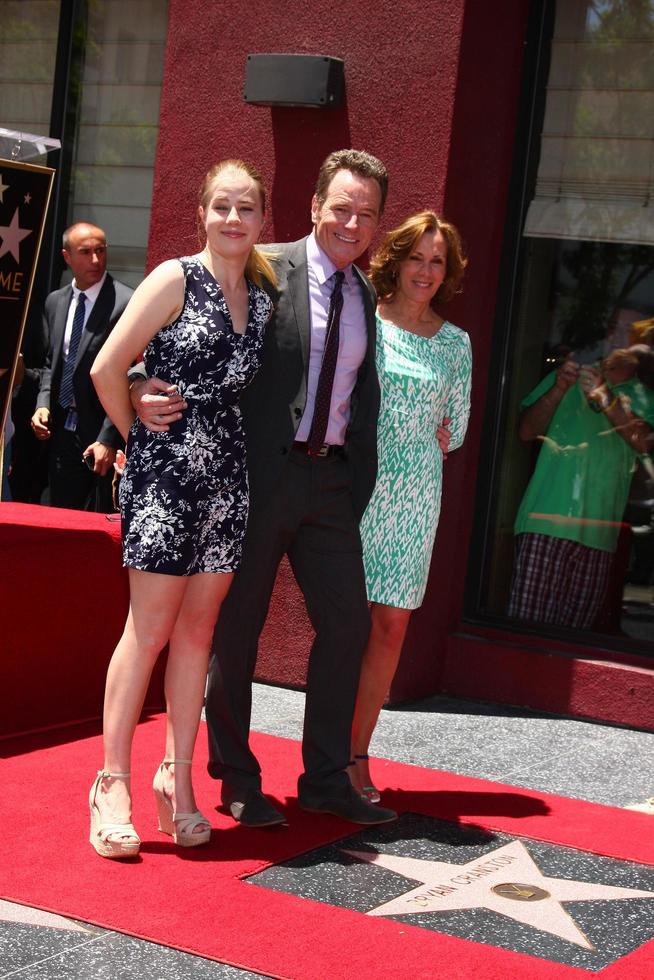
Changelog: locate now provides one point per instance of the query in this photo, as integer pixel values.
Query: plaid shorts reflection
(557, 581)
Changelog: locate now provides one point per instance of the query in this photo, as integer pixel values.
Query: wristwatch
(136, 373)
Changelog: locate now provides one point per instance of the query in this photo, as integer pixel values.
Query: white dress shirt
(91, 294)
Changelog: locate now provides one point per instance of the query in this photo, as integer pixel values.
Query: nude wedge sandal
(103, 834)
(179, 826)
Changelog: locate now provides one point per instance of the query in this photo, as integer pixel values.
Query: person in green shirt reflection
(593, 423)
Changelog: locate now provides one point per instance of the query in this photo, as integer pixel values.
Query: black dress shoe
(349, 807)
(251, 809)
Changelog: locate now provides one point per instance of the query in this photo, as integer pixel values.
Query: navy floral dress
(184, 493)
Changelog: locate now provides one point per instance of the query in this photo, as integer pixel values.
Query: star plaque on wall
(24, 196)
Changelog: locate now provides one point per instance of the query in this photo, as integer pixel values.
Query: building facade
(530, 125)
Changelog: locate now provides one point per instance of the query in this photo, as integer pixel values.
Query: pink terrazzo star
(507, 881)
(26, 915)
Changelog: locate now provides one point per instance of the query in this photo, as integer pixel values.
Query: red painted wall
(552, 676)
(401, 63)
(479, 169)
(432, 89)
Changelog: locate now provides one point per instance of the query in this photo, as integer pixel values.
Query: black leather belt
(322, 453)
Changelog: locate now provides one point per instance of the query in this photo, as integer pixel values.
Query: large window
(88, 72)
(569, 536)
(117, 125)
(28, 50)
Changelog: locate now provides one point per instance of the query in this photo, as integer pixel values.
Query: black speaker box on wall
(294, 80)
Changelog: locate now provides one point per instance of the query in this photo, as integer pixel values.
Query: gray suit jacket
(93, 425)
(273, 404)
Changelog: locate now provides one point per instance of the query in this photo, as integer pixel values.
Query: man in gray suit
(78, 319)
(312, 460)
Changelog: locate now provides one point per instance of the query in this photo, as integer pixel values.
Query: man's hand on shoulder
(157, 403)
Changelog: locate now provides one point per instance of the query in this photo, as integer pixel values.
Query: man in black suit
(79, 318)
(29, 459)
(310, 481)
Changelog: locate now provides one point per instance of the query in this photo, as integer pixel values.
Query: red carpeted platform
(63, 603)
(195, 900)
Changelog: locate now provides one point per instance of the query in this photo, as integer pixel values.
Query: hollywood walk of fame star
(11, 236)
(26, 915)
(506, 880)
(3, 188)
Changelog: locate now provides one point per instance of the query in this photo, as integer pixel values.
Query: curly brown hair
(400, 242)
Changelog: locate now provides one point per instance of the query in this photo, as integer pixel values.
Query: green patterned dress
(422, 380)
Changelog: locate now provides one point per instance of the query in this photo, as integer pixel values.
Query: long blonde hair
(258, 267)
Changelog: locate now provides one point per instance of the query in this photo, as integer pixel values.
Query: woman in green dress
(424, 365)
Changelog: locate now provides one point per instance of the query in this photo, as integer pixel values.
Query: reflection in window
(117, 127)
(28, 48)
(573, 537)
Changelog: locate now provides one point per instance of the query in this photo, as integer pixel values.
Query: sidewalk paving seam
(55, 956)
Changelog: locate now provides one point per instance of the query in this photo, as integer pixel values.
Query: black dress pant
(71, 482)
(29, 457)
(311, 519)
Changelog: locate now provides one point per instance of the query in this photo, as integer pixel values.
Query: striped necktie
(66, 387)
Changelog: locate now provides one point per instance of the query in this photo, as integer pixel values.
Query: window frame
(531, 112)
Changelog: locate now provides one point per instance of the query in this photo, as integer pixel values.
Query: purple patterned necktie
(328, 367)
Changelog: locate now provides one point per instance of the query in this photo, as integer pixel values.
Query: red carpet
(195, 901)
